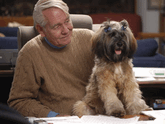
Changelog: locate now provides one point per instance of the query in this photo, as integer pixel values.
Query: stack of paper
(56, 120)
(87, 119)
(158, 114)
(149, 74)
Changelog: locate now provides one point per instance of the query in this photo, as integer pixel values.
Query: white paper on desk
(158, 114)
(148, 72)
(142, 72)
(156, 121)
(62, 120)
(100, 119)
(146, 79)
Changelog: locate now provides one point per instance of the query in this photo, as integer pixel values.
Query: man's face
(58, 29)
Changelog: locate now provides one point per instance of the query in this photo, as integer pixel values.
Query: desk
(6, 78)
(152, 90)
(6, 73)
(156, 83)
(150, 77)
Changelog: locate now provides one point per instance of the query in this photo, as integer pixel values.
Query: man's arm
(25, 88)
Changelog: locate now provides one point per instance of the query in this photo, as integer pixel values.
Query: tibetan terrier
(112, 88)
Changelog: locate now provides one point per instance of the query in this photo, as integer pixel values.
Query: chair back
(25, 33)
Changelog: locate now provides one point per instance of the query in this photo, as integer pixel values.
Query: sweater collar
(55, 47)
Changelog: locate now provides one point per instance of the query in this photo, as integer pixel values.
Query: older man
(53, 68)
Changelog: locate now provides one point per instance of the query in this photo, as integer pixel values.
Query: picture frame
(154, 4)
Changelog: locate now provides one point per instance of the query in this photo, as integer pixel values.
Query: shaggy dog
(112, 88)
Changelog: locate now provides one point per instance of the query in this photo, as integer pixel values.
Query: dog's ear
(97, 42)
(132, 40)
(124, 24)
(133, 46)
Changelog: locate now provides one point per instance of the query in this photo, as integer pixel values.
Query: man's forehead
(55, 16)
(54, 13)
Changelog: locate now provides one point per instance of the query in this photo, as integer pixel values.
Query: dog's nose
(119, 44)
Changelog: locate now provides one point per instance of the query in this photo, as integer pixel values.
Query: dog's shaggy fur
(112, 88)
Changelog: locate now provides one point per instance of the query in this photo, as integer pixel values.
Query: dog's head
(114, 41)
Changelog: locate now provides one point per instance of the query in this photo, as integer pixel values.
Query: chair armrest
(142, 35)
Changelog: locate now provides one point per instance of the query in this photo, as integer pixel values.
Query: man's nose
(65, 29)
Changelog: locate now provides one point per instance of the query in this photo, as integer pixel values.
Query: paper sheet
(158, 114)
(149, 72)
(146, 79)
(58, 120)
(107, 120)
(157, 121)
(89, 119)
(63, 120)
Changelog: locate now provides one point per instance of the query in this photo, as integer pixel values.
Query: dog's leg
(90, 103)
(132, 97)
(80, 108)
(108, 93)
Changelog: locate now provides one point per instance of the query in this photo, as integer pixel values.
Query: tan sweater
(48, 79)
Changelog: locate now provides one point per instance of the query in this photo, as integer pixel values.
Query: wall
(150, 18)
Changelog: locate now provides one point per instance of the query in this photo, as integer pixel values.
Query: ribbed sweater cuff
(52, 114)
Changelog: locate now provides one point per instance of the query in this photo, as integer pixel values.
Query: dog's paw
(80, 108)
(117, 112)
(149, 109)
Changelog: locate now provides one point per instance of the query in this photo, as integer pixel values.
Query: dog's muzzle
(119, 51)
(119, 46)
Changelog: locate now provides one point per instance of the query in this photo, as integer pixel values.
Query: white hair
(45, 4)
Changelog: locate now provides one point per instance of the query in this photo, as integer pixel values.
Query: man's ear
(40, 30)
